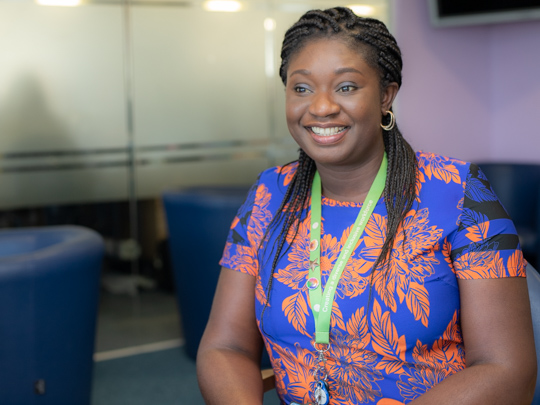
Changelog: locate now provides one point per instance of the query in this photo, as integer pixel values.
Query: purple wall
(515, 66)
(469, 92)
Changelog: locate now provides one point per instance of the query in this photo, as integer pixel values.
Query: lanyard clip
(321, 347)
(320, 373)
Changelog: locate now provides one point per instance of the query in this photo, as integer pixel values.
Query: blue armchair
(49, 290)
(518, 188)
(198, 222)
(533, 284)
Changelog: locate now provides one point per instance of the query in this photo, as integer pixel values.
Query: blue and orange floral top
(408, 338)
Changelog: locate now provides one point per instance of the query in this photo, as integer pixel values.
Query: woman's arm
(228, 360)
(499, 347)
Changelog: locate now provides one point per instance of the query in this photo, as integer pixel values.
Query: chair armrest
(537, 229)
(269, 379)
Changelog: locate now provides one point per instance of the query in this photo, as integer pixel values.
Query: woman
(418, 298)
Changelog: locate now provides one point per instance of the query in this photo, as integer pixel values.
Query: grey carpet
(166, 377)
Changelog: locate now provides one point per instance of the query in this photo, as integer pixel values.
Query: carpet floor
(165, 377)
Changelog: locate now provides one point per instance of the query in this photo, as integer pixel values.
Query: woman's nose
(323, 105)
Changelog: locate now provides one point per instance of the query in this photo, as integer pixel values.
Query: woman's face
(334, 104)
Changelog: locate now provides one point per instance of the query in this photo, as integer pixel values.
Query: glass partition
(200, 97)
(62, 105)
(114, 98)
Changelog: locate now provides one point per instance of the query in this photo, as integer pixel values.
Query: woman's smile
(327, 135)
(320, 131)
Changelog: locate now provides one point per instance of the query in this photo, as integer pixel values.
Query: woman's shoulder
(441, 180)
(436, 168)
(278, 177)
(435, 160)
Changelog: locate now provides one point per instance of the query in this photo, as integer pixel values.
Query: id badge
(321, 393)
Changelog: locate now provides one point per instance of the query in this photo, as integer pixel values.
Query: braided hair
(381, 52)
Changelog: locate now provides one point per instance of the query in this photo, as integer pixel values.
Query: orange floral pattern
(287, 172)
(395, 332)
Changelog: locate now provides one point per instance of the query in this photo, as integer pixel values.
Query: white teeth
(327, 131)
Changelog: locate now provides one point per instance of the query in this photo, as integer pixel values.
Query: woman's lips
(327, 135)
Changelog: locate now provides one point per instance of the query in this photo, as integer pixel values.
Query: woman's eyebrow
(347, 70)
(300, 72)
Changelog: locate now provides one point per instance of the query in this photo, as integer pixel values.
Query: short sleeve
(239, 253)
(485, 244)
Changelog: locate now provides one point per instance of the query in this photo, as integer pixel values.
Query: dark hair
(380, 50)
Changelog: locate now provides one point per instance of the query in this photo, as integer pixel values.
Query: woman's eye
(300, 89)
(347, 88)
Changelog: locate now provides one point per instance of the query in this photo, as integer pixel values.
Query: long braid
(400, 192)
(382, 53)
(294, 203)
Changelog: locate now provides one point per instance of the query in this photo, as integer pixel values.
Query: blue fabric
(49, 290)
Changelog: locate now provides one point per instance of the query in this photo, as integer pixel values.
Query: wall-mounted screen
(446, 13)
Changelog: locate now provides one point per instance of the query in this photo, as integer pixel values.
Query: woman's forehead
(328, 51)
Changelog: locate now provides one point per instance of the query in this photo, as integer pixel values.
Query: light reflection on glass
(223, 5)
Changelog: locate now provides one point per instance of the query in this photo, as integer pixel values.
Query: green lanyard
(321, 302)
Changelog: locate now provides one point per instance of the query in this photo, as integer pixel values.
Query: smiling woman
(334, 108)
(371, 273)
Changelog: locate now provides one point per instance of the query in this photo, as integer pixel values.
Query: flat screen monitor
(447, 13)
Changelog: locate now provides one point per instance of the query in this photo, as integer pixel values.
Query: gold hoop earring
(391, 124)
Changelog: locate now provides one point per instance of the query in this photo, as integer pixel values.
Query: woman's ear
(388, 96)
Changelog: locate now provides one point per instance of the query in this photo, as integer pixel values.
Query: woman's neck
(349, 184)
